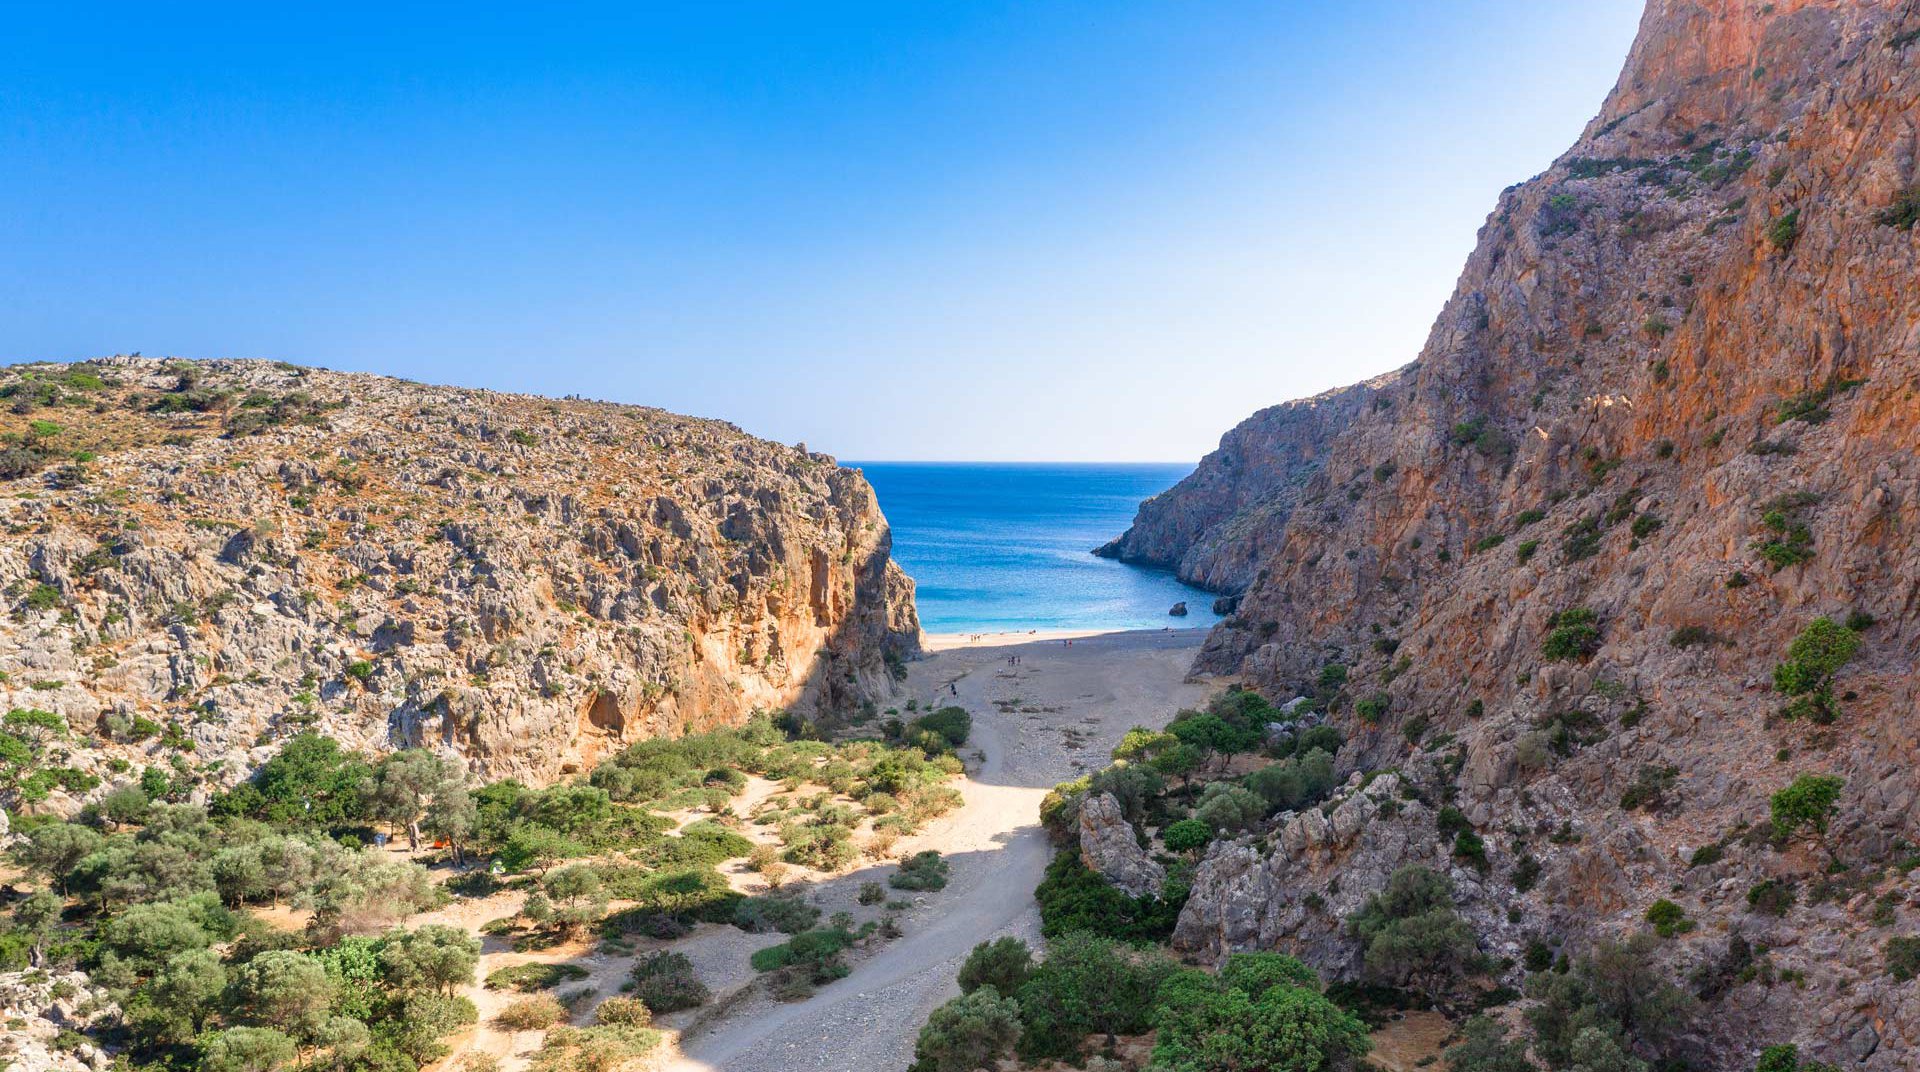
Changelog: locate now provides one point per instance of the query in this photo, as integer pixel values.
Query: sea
(994, 547)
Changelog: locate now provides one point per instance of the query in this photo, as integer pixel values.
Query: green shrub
(1298, 781)
(1469, 848)
(1213, 732)
(1228, 808)
(1479, 433)
(1616, 991)
(1372, 709)
(1903, 957)
(786, 912)
(1411, 935)
(1789, 539)
(1786, 1058)
(247, 1049)
(1060, 810)
(1088, 985)
(1668, 919)
(527, 978)
(1773, 897)
(1483, 1047)
(972, 1031)
(665, 982)
(1784, 231)
(1186, 835)
(1689, 636)
(1581, 540)
(1526, 872)
(1903, 213)
(1806, 803)
(822, 846)
(1649, 788)
(1003, 964)
(1814, 657)
(629, 1012)
(1811, 405)
(814, 955)
(534, 1013)
(921, 871)
(1572, 634)
(951, 725)
(1075, 898)
(1210, 1024)
(587, 1049)
(1256, 973)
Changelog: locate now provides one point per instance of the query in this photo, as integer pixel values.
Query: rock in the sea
(1110, 846)
(1178, 610)
(1226, 605)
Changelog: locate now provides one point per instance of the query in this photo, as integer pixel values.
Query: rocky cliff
(1212, 529)
(202, 558)
(1667, 420)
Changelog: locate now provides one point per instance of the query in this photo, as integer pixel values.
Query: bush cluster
(1263, 1010)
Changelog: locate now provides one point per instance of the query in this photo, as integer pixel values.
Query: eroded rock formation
(1110, 845)
(1675, 387)
(250, 548)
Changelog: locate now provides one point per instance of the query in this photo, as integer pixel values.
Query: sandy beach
(1132, 639)
(1052, 715)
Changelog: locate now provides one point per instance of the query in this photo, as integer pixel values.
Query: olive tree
(247, 1049)
(286, 990)
(405, 785)
(434, 957)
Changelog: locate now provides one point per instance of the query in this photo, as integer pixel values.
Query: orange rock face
(1678, 385)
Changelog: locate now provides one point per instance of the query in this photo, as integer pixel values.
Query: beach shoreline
(934, 643)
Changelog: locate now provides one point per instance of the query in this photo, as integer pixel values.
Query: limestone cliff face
(1212, 528)
(1695, 335)
(253, 548)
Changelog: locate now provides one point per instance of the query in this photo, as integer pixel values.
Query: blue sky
(1053, 230)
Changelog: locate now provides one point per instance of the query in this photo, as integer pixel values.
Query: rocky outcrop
(1211, 529)
(1675, 388)
(44, 1014)
(1110, 845)
(249, 549)
(1294, 889)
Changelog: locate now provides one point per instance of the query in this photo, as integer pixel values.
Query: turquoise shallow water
(1009, 546)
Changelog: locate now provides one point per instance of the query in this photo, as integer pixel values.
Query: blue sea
(1004, 546)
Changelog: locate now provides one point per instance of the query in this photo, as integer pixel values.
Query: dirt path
(1055, 714)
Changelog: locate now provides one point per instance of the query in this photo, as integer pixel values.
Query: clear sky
(1102, 230)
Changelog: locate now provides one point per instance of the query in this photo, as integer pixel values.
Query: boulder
(1110, 846)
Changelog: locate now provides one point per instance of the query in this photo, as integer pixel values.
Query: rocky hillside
(202, 558)
(1666, 423)
(1212, 529)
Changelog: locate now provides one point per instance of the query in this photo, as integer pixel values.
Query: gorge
(1562, 712)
